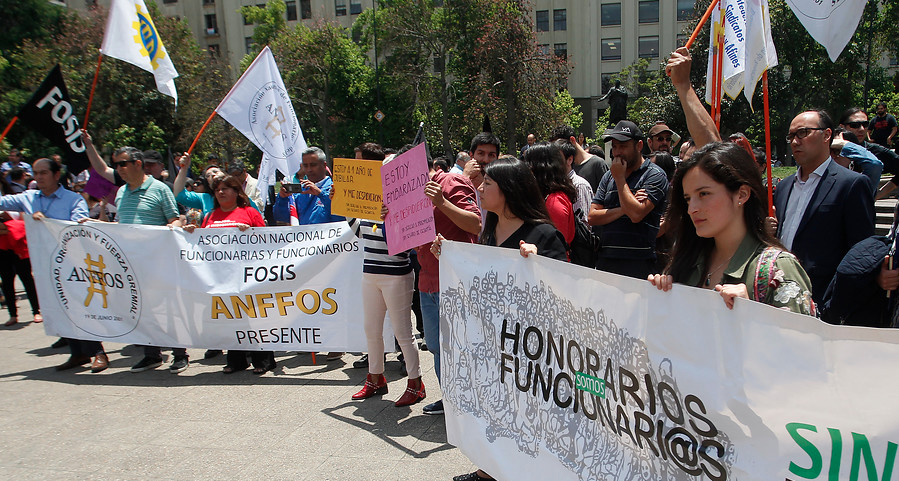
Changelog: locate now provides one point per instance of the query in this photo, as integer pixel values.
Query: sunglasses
(857, 125)
(116, 165)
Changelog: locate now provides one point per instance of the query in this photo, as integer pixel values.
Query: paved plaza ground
(296, 423)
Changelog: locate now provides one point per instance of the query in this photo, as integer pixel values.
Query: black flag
(420, 137)
(50, 113)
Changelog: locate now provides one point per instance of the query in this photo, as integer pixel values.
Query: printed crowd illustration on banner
(553, 371)
(273, 288)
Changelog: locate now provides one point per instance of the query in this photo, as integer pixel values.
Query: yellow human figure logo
(96, 271)
(278, 118)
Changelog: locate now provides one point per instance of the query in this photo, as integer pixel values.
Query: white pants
(386, 294)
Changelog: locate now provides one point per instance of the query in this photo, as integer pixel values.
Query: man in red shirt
(458, 218)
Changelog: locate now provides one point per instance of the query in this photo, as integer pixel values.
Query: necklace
(708, 277)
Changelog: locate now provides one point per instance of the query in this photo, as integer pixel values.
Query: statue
(617, 96)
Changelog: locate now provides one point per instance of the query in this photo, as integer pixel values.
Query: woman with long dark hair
(516, 219)
(717, 215)
(548, 165)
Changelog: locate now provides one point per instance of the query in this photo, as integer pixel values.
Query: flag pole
(719, 77)
(194, 144)
(6, 130)
(90, 100)
(702, 21)
(768, 143)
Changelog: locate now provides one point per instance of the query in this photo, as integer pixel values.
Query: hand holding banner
(410, 222)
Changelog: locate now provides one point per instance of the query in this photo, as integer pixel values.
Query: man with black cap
(628, 205)
(154, 167)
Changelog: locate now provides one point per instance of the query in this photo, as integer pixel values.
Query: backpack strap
(763, 271)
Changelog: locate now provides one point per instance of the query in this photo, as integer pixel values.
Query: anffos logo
(148, 38)
(273, 121)
(94, 283)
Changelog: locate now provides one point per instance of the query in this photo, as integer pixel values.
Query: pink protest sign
(410, 222)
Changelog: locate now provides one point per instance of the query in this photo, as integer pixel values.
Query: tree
(567, 111)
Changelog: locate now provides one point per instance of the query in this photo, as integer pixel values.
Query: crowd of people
(699, 218)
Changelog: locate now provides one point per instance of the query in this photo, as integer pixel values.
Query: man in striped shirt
(146, 201)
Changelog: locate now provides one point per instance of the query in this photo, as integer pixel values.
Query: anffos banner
(554, 371)
(270, 288)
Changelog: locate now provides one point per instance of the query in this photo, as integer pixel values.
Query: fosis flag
(259, 107)
(131, 37)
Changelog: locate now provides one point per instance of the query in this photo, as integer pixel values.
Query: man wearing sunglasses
(855, 120)
(823, 209)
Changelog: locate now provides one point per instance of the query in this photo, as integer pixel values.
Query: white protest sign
(270, 288)
(554, 371)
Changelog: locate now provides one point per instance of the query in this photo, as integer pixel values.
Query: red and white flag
(294, 216)
(260, 108)
(130, 36)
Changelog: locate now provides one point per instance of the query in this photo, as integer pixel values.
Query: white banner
(686, 389)
(259, 106)
(831, 23)
(270, 288)
(131, 36)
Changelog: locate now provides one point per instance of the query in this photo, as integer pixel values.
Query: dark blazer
(839, 214)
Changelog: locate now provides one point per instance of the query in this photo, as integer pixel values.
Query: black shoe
(146, 364)
(423, 346)
(211, 353)
(434, 408)
(61, 343)
(179, 364)
(362, 362)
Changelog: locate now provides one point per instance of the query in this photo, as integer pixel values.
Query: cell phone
(293, 188)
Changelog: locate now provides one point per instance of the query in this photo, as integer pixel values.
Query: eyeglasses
(802, 133)
(857, 125)
(116, 165)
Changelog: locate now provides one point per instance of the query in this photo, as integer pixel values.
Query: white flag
(131, 37)
(831, 23)
(748, 47)
(760, 52)
(733, 24)
(259, 107)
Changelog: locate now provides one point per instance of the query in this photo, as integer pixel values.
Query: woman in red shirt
(232, 208)
(548, 165)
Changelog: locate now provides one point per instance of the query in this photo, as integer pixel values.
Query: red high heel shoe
(374, 384)
(412, 394)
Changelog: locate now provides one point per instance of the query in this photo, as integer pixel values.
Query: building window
(169, 1)
(543, 48)
(305, 9)
(561, 50)
(611, 49)
(439, 64)
(682, 40)
(542, 20)
(291, 10)
(648, 47)
(211, 25)
(894, 61)
(355, 7)
(438, 3)
(685, 9)
(610, 14)
(208, 2)
(560, 19)
(649, 11)
(246, 21)
(340, 8)
(249, 44)
(213, 50)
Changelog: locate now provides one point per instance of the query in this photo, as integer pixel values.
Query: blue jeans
(430, 312)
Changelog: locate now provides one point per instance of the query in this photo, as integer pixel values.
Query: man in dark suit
(824, 208)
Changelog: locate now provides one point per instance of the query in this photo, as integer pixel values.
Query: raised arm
(699, 122)
(181, 178)
(97, 162)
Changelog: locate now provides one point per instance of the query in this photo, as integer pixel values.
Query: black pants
(237, 360)
(637, 268)
(10, 267)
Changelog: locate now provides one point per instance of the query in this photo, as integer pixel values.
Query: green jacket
(788, 288)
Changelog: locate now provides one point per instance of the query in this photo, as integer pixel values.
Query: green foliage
(270, 23)
(568, 112)
(151, 137)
